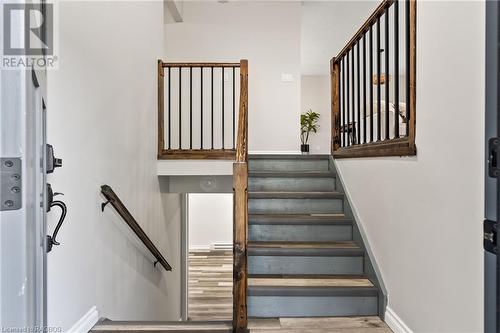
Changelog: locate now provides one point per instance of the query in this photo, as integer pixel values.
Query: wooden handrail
(115, 201)
(201, 64)
(242, 141)
(379, 11)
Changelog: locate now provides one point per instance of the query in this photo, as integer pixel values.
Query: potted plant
(308, 123)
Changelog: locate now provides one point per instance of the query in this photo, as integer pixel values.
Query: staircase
(305, 255)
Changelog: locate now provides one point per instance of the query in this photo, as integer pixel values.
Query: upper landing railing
(373, 85)
(198, 109)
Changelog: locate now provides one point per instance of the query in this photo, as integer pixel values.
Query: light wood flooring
(210, 299)
(210, 286)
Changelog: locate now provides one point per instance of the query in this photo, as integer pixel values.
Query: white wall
(423, 214)
(326, 27)
(315, 95)
(265, 33)
(210, 219)
(102, 122)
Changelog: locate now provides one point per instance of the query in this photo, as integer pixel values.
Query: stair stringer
(372, 270)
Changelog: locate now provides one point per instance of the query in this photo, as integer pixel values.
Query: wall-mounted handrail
(370, 115)
(115, 201)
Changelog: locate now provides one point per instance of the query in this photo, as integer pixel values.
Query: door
(22, 194)
(492, 185)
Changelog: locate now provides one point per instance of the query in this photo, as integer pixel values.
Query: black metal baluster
(190, 107)
(407, 23)
(201, 107)
(379, 97)
(358, 84)
(338, 121)
(396, 69)
(371, 84)
(387, 76)
(212, 102)
(353, 122)
(343, 103)
(364, 88)
(222, 79)
(180, 107)
(234, 107)
(347, 128)
(169, 107)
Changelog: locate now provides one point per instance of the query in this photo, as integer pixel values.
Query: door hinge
(493, 169)
(11, 183)
(490, 236)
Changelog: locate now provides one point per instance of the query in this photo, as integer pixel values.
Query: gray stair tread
(304, 276)
(320, 291)
(315, 281)
(291, 174)
(306, 219)
(304, 245)
(304, 249)
(295, 195)
(288, 157)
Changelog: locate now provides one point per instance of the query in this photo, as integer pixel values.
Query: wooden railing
(124, 213)
(240, 187)
(197, 110)
(368, 121)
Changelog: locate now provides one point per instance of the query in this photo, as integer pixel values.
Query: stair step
(295, 203)
(295, 195)
(311, 258)
(294, 281)
(299, 219)
(300, 230)
(288, 163)
(320, 249)
(299, 297)
(292, 174)
(291, 181)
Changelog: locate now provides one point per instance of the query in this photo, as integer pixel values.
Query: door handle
(51, 240)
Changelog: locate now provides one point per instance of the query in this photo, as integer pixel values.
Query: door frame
(492, 186)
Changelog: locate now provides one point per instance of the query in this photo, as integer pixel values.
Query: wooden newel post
(335, 81)
(161, 95)
(240, 183)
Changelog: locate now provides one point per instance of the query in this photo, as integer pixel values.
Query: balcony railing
(373, 86)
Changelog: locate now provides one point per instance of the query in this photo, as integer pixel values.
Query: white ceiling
(326, 27)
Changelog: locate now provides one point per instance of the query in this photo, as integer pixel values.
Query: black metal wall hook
(154, 264)
(103, 205)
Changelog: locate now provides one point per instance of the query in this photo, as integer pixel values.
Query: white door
(22, 197)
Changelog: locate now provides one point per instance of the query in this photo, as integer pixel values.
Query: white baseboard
(395, 323)
(85, 324)
(213, 246)
(274, 152)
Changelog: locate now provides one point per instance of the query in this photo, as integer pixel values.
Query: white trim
(362, 232)
(85, 324)
(213, 246)
(395, 322)
(274, 152)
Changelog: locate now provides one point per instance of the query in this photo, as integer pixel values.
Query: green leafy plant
(308, 123)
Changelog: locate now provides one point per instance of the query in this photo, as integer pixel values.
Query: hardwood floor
(210, 285)
(210, 299)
